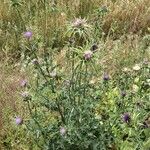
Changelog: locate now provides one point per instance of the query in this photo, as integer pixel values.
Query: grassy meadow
(75, 74)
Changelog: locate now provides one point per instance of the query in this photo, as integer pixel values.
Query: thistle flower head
(78, 22)
(62, 131)
(23, 83)
(126, 117)
(87, 55)
(28, 34)
(18, 120)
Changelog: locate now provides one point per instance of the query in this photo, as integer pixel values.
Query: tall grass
(47, 19)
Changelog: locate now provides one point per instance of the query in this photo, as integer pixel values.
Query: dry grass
(123, 17)
(128, 16)
(9, 90)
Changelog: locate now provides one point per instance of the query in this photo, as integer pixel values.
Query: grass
(121, 31)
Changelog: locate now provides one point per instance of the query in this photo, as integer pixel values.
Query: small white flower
(53, 74)
(136, 80)
(126, 69)
(135, 88)
(136, 67)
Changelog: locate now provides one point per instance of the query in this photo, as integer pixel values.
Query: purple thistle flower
(126, 117)
(23, 83)
(28, 34)
(18, 120)
(62, 131)
(87, 55)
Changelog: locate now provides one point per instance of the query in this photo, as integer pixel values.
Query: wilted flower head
(123, 93)
(35, 61)
(146, 62)
(28, 34)
(87, 55)
(78, 22)
(106, 77)
(136, 67)
(23, 83)
(67, 82)
(18, 120)
(53, 74)
(62, 131)
(126, 117)
(25, 94)
(94, 48)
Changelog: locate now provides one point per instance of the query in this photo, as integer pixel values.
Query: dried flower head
(87, 55)
(28, 34)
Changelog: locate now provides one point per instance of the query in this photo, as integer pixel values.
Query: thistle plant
(80, 30)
